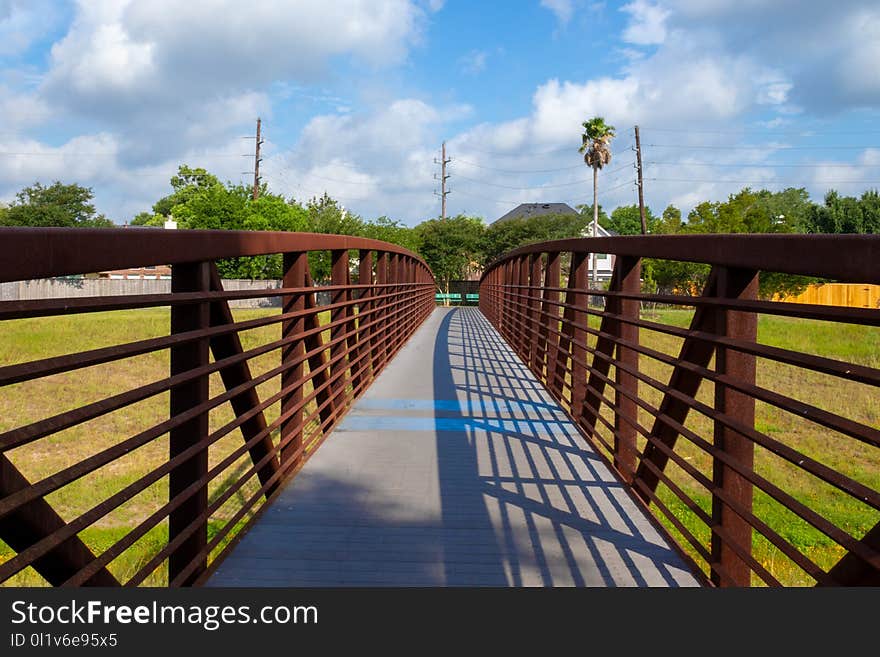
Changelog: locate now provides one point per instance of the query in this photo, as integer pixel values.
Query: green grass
(20, 404)
(861, 462)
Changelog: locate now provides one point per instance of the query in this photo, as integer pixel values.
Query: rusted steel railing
(791, 498)
(202, 479)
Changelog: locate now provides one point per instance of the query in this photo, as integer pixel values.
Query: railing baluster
(521, 307)
(579, 278)
(547, 342)
(738, 284)
(570, 317)
(364, 334)
(627, 280)
(339, 277)
(189, 277)
(534, 291)
(295, 268)
(380, 346)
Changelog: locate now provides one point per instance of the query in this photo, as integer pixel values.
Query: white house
(604, 261)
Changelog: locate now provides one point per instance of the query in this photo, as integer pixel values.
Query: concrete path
(455, 468)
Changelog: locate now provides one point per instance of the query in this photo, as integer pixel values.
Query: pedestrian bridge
(455, 468)
(561, 434)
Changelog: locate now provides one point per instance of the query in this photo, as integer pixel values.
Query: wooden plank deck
(455, 468)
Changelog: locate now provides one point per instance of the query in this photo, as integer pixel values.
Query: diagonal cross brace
(852, 570)
(36, 520)
(600, 366)
(224, 346)
(697, 352)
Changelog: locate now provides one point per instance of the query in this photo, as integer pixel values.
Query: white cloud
(167, 77)
(473, 62)
(826, 50)
(20, 110)
(148, 50)
(171, 82)
(858, 69)
(647, 25)
(111, 62)
(28, 160)
(22, 22)
(564, 9)
(676, 85)
(375, 162)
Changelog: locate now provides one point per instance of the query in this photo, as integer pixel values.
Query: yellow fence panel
(839, 294)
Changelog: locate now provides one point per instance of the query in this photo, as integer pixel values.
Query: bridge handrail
(46, 252)
(845, 258)
(697, 462)
(327, 355)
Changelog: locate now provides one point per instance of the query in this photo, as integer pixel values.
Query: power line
(565, 200)
(483, 182)
(282, 174)
(77, 154)
(767, 147)
(623, 184)
(807, 132)
(481, 166)
(628, 165)
(491, 200)
(771, 182)
(526, 152)
(768, 164)
(520, 152)
(336, 180)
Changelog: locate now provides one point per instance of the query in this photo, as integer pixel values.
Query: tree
(626, 220)
(188, 182)
(596, 142)
(845, 214)
(201, 201)
(451, 247)
(326, 215)
(65, 206)
(503, 236)
(392, 231)
(148, 219)
(747, 211)
(670, 222)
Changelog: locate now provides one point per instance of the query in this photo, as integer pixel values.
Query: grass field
(26, 340)
(859, 402)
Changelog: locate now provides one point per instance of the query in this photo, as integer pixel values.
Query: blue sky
(356, 97)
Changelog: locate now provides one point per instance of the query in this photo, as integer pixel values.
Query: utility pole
(640, 183)
(443, 176)
(257, 163)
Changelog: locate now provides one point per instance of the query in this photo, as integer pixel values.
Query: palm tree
(595, 147)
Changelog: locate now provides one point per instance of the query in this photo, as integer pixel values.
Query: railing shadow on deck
(760, 455)
(509, 458)
(454, 469)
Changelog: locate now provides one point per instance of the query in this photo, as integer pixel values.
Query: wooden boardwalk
(455, 468)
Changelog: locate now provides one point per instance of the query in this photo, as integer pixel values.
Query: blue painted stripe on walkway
(451, 405)
(432, 424)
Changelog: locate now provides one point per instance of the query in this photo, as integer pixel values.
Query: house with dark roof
(604, 261)
(529, 210)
